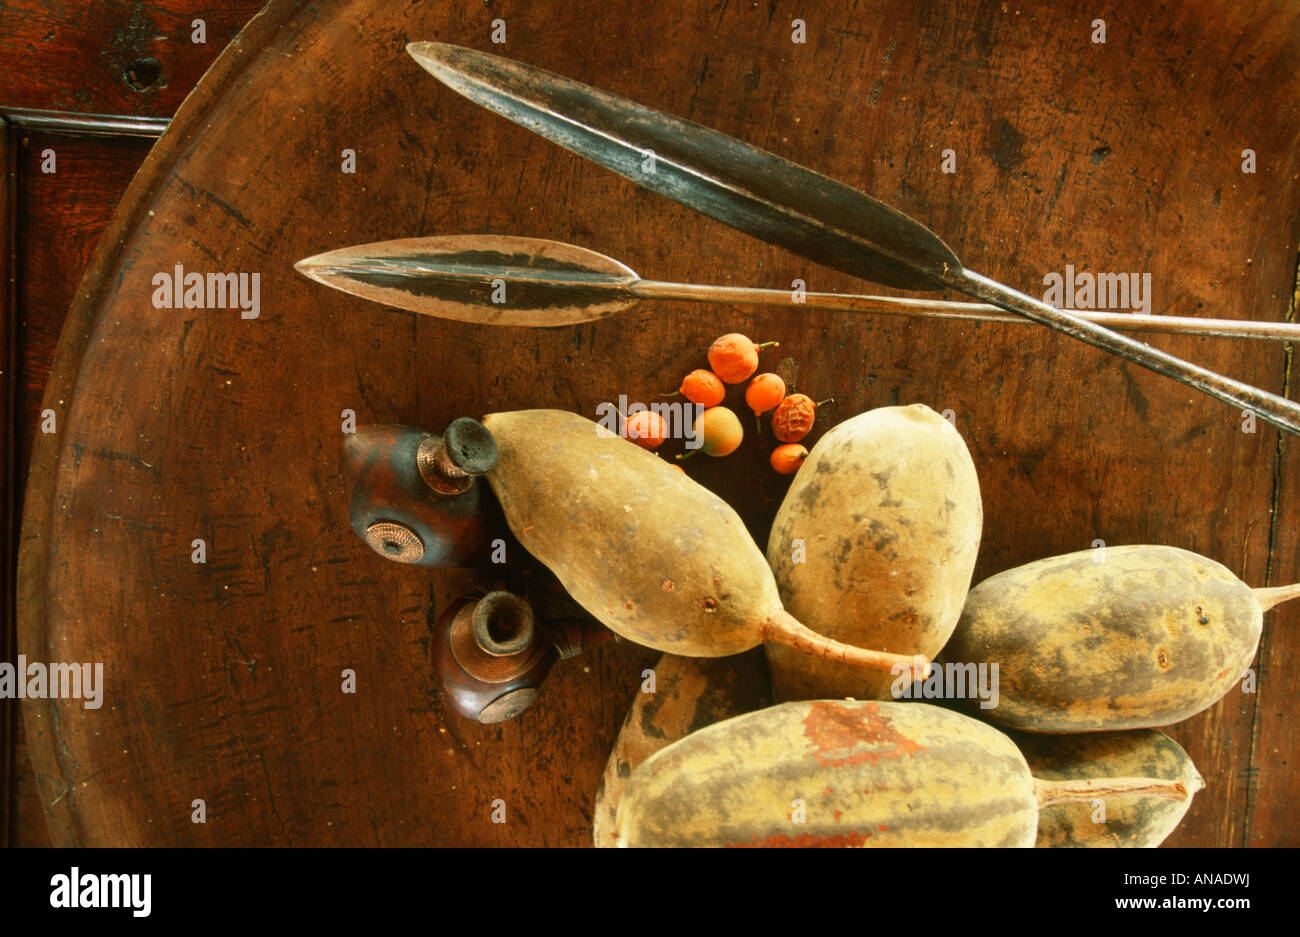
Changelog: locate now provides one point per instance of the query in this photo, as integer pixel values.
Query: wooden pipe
(490, 654)
(414, 497)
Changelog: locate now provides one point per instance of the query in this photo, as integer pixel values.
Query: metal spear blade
(750, 189)
(506, 280)
(486, 279)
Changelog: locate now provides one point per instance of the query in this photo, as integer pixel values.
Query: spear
(781, 202)
(506, 280)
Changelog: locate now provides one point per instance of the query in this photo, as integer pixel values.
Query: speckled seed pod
(1125, 822)
(856, 773)
(649, 553)
(690, 693)
(875, 544)
(1125, 637)
(849, 773)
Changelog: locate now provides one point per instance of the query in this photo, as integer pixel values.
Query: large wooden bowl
(224, 678)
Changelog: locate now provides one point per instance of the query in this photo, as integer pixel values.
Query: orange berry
(793, 418)
(718, 431)
(646, 429)
(787, 458)
(734, 357)
(764, 393)
(703, 387)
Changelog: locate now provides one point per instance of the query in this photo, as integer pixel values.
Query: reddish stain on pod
(835, 732)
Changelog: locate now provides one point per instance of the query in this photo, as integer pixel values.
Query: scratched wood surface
(223, 679)
(111, 56)
(59, 229)
(71, 58)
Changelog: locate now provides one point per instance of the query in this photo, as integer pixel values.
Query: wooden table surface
(85, 90)
(224, 678)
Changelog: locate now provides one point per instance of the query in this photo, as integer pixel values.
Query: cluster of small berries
(733, 359)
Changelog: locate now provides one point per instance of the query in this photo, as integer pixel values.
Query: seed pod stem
(783, 628)
(1277, 595)
(1086, 789)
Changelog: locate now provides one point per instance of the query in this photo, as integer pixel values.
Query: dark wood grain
(224, 679)
(52, 223)
(84, 56)
(9, 722)
(57, 222)
(61, 220)
(1275, 741)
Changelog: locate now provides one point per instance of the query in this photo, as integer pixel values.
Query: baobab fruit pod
(1129, 637)
(679, 696)
(834, 773)
(875, 544)
(848, 773)
(1126, 822)
(653, 556)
